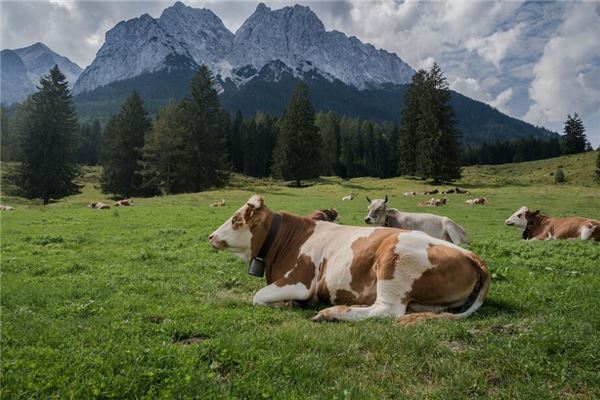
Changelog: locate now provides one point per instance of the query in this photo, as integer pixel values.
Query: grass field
(132, 303)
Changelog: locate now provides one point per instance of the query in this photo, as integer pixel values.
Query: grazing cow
(366, 272)
(408, 194)
(99, 206)
(434, 191)
(220, 203)
(124, 203)
(541, 227)
(437, 202)
(348, 197)
(6, 208)
(326, 214)
(433, 225)
(477, 201)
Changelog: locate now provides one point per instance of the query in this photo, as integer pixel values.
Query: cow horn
(368, 199)
(385, 201)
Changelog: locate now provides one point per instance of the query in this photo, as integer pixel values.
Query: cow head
(240, 234)
(519, 218)
(377, 211)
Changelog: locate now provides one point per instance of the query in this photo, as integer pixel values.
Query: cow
(449, 191)
(437, 202)
(220, 203)
(434, 225)
(326, 214)
(458, 190)
(542, 227)
(477, 201)
(124, 203)
(6, 208)
(408, 194)
(99, 206)
(348, 197)
(434, 191)
(364, 272)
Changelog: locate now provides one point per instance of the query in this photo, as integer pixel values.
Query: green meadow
(133, 303)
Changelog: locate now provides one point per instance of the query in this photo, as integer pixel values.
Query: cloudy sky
(534, 60)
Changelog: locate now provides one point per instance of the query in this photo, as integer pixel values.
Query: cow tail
(457, 233)
(475, 300)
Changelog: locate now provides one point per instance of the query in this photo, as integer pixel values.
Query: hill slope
(579, 170)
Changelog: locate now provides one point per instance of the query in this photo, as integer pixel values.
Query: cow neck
(535, 223)
(388, 213)
(283, 254)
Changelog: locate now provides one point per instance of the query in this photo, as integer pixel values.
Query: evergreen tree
(297, 155)
(409, 122)
(437, 154)
(235, 143)
(574, 140)
(162, 148)
(89, 146)
(598, 166)
(5, 136)
(205, 124)
(121, 152)
(330, 136)
(48, 140)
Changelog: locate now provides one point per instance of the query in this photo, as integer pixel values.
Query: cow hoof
(323, 317)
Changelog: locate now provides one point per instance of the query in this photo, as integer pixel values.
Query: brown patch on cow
(285, 250)
(303, 272)
(452, 278)
(323, 294)
(372, 253)
(345, 297)
(326, 214)
(542, 227)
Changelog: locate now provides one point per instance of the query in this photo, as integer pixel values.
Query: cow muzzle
(368, 220)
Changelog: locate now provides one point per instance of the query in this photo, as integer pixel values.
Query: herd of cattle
(406, 265)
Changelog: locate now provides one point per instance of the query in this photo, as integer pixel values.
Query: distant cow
(461, 191)
(541, 227)
(449, 191)
(6, 208)
(434, 191)
(365, 272)
(326, 214)
(434, 225)
(99, 206)
(348, 197)
(124, 203)
(220, 203)
(437, 202)
(408, 194)
(477, 201)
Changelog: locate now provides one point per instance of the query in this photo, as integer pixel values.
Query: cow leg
(388, 303)
(275, 294)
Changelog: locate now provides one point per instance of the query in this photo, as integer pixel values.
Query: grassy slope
(93, 303)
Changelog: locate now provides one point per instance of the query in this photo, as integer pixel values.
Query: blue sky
(534, 60)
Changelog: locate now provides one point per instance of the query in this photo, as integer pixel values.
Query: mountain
(256, 68)
(14, 80)
(22, 68)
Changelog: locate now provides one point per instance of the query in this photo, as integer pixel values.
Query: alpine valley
(255, 70)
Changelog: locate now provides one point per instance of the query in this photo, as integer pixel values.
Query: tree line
(193, 144)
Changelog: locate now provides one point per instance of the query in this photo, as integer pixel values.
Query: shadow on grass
(494, 308)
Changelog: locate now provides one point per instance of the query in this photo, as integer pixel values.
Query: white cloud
(495, 47)
(481, 91)
(501, 101)
(567, 76)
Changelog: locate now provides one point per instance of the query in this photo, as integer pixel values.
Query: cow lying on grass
(99, 206)
(366, 272)
(434, 225)
(433, 202)
(478, 201)
(124, 203)
(541, 227)
(326, 214)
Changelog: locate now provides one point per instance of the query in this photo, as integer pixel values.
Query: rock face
(39, 59)
(15, 83)
(184, 37)
(296, 37)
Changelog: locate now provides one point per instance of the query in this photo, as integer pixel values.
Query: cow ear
(368, 199)
(385, 201)
(536, 212)
(256, 202)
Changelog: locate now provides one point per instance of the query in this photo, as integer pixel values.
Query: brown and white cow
(99, 206)
(366, 272)
(434, 225)
(541, 227)
(433, 202)
(124, 203)
(326, 214)
(478, 201)
(434, 191)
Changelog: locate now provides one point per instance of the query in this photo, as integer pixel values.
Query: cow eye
(519, 215)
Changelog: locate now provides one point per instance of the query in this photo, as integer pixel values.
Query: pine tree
(598, 166)
(90, 135)
(162, 148)
(297, 155)
(121, 151)
(205, 123)
(5, 136)
(409, 122)
(48, 140)
(330, 136)
(437, 154)
(574, 140)
(235, 143)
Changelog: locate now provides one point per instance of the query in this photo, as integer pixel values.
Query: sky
(534, 60)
